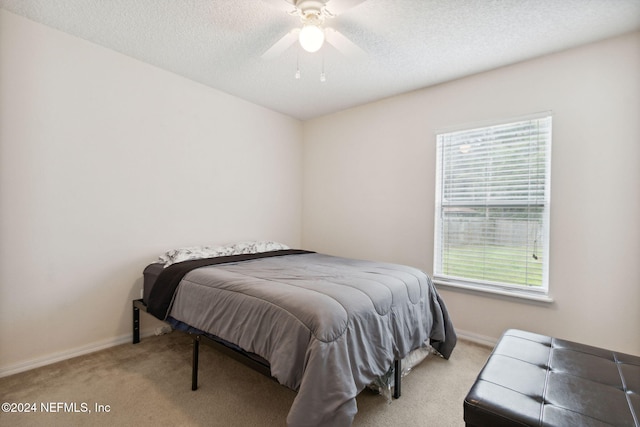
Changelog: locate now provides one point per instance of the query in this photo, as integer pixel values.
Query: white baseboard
(477, 338)
(38, 362)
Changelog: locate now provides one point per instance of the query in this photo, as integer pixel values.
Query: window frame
(538, 293)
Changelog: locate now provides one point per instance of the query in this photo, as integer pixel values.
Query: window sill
(512, 293)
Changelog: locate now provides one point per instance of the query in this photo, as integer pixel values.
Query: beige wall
(105, 162)
(369, 187)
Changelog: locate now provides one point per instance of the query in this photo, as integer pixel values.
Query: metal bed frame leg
(194, 367)
(136, 323)
(397, 377)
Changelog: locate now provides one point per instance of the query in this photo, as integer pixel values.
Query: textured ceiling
(409, 44)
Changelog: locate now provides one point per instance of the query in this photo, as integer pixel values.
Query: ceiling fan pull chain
(323, 77)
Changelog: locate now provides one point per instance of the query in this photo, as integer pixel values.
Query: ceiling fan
(313, 32)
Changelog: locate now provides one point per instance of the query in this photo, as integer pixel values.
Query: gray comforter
(328, 325)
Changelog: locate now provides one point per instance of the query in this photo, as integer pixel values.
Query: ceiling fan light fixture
(311, 37)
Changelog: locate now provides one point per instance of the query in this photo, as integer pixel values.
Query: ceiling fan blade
(343, 44)
(281, 45)
(337, 7)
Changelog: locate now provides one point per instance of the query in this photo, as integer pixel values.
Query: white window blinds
(492, 205)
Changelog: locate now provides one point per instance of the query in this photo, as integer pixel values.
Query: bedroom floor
(150, 384)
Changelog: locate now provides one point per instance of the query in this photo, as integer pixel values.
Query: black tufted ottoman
(535, 380)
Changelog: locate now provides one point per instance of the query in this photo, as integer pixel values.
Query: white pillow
(199, 252)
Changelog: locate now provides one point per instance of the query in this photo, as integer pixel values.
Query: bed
(322, 325)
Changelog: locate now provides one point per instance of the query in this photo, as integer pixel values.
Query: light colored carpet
(150, 384)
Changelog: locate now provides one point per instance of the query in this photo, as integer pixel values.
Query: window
(492, 207)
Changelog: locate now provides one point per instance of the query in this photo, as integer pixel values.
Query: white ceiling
(409, 44)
